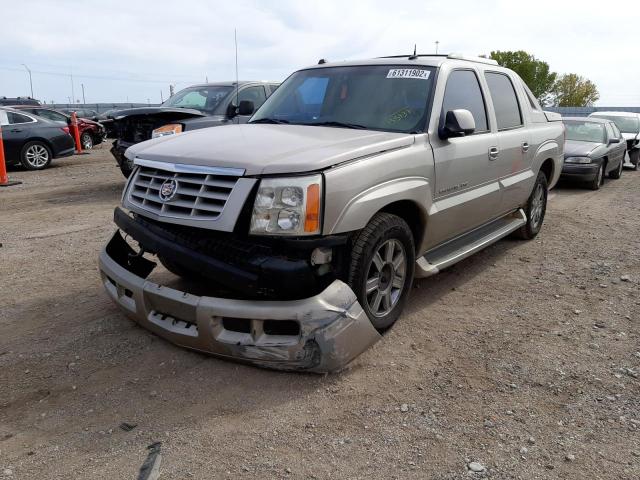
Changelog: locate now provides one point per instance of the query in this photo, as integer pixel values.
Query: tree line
(550, 88)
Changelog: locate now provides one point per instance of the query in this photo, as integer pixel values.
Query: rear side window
(17, 118)
(463, 91)
(505, 101)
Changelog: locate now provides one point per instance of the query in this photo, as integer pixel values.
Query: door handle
(16, 130)
(493, 153)
(525, 147)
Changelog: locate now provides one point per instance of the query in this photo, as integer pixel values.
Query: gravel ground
(520, 362)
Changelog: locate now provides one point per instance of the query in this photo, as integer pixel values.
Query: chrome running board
(460, 248)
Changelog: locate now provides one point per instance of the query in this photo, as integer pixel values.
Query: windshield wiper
(269, 120)
(338, 124)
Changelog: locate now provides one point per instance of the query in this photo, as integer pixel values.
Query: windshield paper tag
(408, 73)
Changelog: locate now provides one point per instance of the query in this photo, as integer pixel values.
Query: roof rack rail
(459, 56)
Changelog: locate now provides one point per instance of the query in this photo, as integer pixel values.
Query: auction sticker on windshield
(408, 73)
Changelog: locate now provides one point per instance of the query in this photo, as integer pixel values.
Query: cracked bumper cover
(333, 328)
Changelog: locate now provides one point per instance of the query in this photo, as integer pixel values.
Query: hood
(574, 148)
(176, 113)
(267, 149)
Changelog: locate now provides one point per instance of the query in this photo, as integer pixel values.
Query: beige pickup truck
(307, 225)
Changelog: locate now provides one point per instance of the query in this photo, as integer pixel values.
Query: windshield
(585, 131)
(205, 99)
(625, 124)
(389, 98)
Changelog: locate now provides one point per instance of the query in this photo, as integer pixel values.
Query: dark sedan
(593, 148)
(91, 133)
(33, 141)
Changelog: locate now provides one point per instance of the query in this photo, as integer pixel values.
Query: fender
(357, 213)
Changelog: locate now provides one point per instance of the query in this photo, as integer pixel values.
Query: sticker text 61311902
(408, 73)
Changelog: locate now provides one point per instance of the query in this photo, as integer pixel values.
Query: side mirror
(246, 107)
(614, 140)
(457, 123)
(232, 110)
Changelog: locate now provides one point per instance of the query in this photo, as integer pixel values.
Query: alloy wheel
(386, 277)
(37, 156)
(537, 206)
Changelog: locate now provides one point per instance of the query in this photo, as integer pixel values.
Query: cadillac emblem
(168, 190)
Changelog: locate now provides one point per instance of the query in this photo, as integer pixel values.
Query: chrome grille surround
(208, 197)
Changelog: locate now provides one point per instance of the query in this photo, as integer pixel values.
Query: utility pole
(30, 82)
(161, 99)
(73, 93)
(69, 99)
(171, 87)
(437, 43)
(84, 102)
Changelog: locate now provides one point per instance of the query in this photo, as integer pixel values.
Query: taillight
(65, 130)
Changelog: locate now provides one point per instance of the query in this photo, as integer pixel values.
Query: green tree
(572, 90)
(534, 72)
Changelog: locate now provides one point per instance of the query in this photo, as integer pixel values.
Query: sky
(131, 51)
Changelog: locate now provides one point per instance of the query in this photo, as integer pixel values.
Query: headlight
(287, 206)
(165, 130)
(577, 160)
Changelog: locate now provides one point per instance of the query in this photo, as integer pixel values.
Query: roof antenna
(235, 37)
(415, 55)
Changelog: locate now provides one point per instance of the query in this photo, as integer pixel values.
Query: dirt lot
(524, 358)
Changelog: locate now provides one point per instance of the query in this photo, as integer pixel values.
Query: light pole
(84, 102)
(30, 82)
(437, 43)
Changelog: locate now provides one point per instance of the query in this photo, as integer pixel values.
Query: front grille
(199, 196)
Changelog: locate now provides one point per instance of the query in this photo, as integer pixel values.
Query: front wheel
(634, 158)
(598, 180)
(381, 270)
(535, 209)
(86, 140)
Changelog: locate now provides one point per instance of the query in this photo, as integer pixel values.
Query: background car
(593, 148)
(629, 125)
(5, 102)
(91, 133)
(82, 112)
(33, 141)
(195, 107)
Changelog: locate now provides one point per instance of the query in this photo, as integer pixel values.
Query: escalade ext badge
(394, 201)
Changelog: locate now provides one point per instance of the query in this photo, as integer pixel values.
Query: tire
(35, 155)
(179, 270)
(634, 158)
(535, 209)
(86, 140)
(617, 173)
(381, 270)
(598, 180)
(126, 167)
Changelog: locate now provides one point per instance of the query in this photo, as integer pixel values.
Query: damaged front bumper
(320, 334)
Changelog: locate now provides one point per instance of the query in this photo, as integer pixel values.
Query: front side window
(609, 131)
(505, 101)
(252, 94)
(205, 99)
(376, 97)
(616, 132)
(585, 131)
(51, 115)
(463, 92)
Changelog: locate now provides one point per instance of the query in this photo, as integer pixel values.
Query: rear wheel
(598, 180)
(381, 271)
(535, 209)
(617, 173)
(35, 156)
